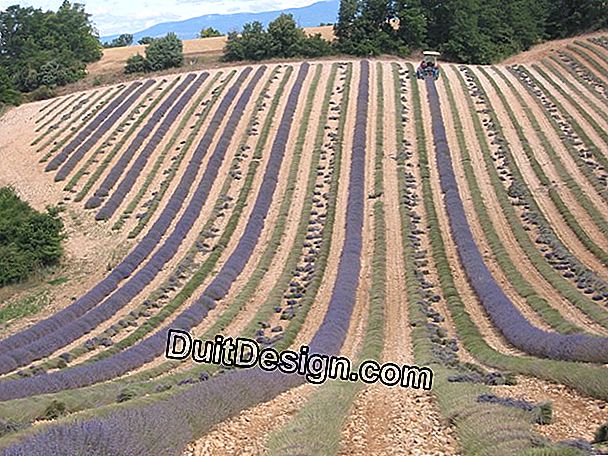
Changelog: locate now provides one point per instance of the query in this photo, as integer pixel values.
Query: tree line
(466, 31)
(40, 50)
(281, 39)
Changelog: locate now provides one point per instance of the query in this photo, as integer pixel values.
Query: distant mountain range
(308, 16)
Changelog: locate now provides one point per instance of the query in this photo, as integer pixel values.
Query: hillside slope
(459, 225)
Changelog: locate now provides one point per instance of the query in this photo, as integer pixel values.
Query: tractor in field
(429, 66)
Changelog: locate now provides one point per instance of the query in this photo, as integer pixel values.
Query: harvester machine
(429, 67)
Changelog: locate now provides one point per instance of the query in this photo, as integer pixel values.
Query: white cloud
(120, 16)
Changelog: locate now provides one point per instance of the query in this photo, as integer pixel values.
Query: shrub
(54, 410)
(41, 93)
(165, 53)
(28, 239)
(125, 395)
(58, 73)
(210, 32)
(601, 434)
(543, 413)
(9, 426)
(316, 46)
(136, 64)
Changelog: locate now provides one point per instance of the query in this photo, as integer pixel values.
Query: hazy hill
(309, 16)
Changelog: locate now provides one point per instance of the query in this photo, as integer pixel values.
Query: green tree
(528, 20)
(345, 27)
(412, 23)
(316, 46)
(364, 27)
(166, 52)
(467, 43)
(285, 38)
(39, 47)
(124, 40)
(252, 44)
(8, 93)
(210, 32)
(569, 17)
(145, 40)
(136, 64)
(75, 34)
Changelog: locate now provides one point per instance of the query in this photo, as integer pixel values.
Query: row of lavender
(51, 334)
(76, 157)
(147, 350)
(99, 126)
(165, 427)
(503, 313)
(131, 177)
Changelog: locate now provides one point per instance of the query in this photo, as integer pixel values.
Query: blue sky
(118, 16)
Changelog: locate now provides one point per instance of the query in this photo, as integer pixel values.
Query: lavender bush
(80, 145)
(165, 427)
(503, 313)
(20, 346)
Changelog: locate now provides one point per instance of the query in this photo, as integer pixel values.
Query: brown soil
(540, 51)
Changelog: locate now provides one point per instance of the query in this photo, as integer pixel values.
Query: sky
(120, 16)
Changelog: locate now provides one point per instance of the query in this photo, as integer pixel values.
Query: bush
(9, 426)
(125, 395)
(210, 32)
(165, 53)
(146, 40)
(282, 39)
(543, 413)
(29, 239)
(316, 46)
(601, 434)
(54, 410)
(57, 73)
(136, 64)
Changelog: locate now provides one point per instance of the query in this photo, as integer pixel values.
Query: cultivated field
(460, 225)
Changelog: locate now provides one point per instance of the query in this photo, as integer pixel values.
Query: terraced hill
(460, 225)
